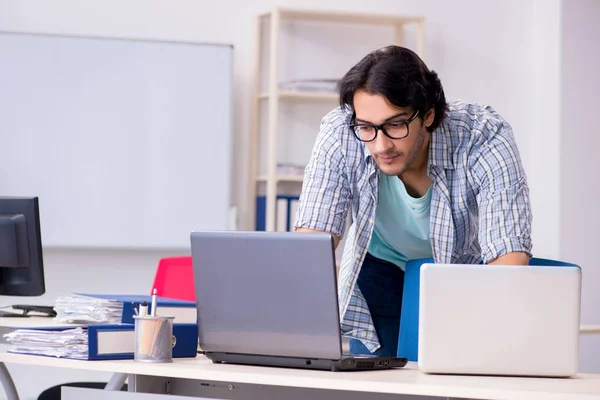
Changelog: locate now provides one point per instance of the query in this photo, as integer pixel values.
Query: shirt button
(372, 221)
(358, 255)
(364, 334)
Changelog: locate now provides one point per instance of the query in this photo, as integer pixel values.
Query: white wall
(472, 51)
(579, 161)
(544, 116)
(481, 50)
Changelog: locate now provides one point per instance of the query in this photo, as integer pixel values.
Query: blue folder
(186, 344)
(261, 211)
(107, 336)
(133, 301)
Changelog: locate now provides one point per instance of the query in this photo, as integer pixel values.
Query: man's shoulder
(467, 131)
(338, 118)
(472, 116)
(335, 132)
(472, 125)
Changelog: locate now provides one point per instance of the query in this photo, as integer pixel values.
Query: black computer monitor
(21, 261)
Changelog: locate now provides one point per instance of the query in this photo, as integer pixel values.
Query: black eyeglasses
(394, 129)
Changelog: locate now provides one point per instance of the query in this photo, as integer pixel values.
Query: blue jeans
(382, 284)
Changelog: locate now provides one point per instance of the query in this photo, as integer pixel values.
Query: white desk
(190, 377)
(201, 378)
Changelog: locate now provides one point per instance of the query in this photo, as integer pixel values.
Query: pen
(144, 308)
(153, 308)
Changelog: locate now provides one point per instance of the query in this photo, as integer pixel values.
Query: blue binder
(133, 301)
(186, 344)
(261, 211)
(108, 336)
(107, 333)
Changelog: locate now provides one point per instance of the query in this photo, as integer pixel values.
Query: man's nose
(382, 143)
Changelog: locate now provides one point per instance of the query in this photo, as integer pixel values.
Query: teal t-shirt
(401, 231)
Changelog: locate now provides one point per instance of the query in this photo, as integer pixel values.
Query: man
(422, 177)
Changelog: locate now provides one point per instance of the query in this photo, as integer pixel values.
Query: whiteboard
(127, 143)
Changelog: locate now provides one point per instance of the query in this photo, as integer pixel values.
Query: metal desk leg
(7, 383)
(116, 382)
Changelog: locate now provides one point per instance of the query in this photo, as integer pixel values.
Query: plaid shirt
(480, 207)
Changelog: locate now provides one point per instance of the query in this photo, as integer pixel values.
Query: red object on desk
(175, 279)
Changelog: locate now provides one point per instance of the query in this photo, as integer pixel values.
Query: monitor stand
(10, 314)
(27, 310)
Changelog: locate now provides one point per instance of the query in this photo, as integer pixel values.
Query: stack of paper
(289, 169)
(68, 343)
(88, 310)
(311, 85)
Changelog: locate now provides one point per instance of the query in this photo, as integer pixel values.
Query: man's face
(393, 156)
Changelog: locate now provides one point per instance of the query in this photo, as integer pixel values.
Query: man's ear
(429, 117)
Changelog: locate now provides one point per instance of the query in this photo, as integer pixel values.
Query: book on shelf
(285, 212)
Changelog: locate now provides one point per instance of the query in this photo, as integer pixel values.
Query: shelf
(271, 96)
(344, 17)
(283, 178)
(589, 329)
(302, 95)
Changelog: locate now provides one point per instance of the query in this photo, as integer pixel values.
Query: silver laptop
(270, 298)
(499, 320)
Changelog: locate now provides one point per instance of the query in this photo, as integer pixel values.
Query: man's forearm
(515, 258)
(336, 240)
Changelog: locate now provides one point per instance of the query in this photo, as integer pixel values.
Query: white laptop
(499, 320)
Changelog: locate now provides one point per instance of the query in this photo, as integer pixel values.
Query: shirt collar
(441, 153)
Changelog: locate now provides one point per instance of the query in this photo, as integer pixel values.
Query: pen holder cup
(154, 340)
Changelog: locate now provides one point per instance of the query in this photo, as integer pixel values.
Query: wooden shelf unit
(273, 95)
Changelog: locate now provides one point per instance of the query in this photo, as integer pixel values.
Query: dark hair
(401, 77)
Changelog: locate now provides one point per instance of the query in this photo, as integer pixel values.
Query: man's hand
(515, 258)
(336, 240)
